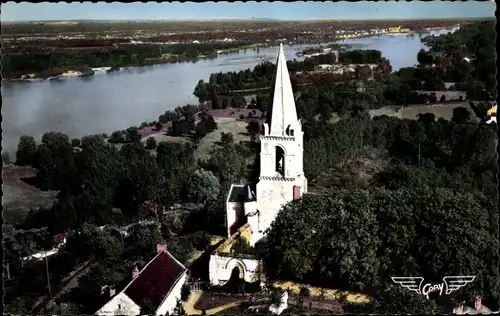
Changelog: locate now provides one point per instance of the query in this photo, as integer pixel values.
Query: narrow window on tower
(280, 161)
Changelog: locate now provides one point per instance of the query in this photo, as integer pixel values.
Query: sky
(271, 10)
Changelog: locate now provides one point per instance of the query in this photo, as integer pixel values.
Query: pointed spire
(282, 109)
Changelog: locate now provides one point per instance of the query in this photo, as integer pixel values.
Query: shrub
(226, 138)
(116, 137)
(151, 143)
(304, 291)
(75, 142)
(242, 116)
(185, 292)
(5, 158)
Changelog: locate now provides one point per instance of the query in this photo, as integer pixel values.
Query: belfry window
(289, 131)
(280, 161)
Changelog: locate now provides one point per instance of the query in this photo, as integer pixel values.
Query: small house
(59, 240)
(479, 308)
(159, 283)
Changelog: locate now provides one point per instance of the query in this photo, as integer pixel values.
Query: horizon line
(249, 19)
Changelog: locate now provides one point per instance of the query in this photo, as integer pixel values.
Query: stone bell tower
(281, 159)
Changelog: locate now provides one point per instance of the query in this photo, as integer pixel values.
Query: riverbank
(110, 102)
(84, 71)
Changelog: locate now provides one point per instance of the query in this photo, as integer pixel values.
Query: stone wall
(221, 267)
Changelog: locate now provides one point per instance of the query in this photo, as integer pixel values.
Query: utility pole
(48, 276)
(419, 153)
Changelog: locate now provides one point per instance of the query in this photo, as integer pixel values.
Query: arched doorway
(238, 272)
(236, 282)
(280, 161)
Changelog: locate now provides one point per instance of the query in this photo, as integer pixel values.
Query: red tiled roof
(59, 238)
(156, 280)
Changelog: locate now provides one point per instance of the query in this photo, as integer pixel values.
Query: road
(193, 298)
(72, 281)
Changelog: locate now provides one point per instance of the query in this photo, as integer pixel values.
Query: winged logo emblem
(411, 283)
(454, 283)
(449, 285)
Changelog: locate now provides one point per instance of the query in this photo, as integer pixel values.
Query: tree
(18, 306)
(200, 130)
(22, 243)
(179, 128)
(116, 137)
(75, 142)
(107, 246)
(253, 129)
(185, 292)
(6, 158)
(26, 151)
(132, 134)
(304, 293)
(228, 163)
(151, 143)
(427, 118)
(422, 225)
(143, 238)
(203, 187)
(141, 179)
(394, 298)
(158, 126)
(55, 161)
(88, 293)
(180, 248)
(460, 115)
(226, 138)
(177, 164)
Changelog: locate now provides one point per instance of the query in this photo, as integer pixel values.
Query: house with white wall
(159, 283)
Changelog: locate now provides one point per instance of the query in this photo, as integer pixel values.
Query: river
(107, 102)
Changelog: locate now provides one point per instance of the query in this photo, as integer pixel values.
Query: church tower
(282, 177)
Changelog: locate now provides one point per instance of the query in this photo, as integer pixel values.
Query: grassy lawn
(440, 110)
(226, 125)
(19, 197)
(161, 137)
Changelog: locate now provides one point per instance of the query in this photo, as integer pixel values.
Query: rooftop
(493, 110)
(240, 193)
(155, 280)
(227, 247)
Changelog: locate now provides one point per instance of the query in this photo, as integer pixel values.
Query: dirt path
(195, 296)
